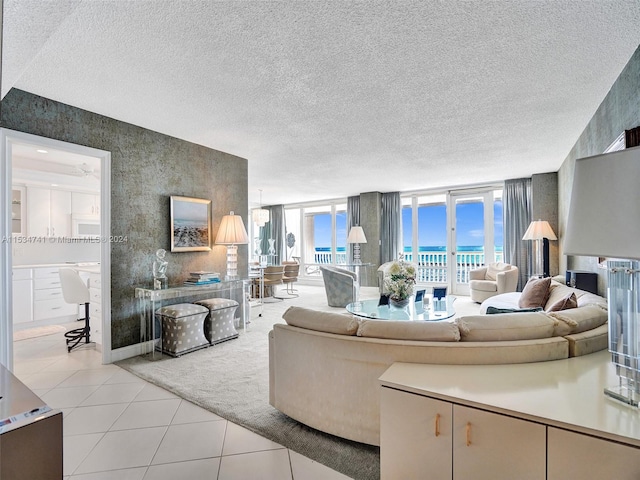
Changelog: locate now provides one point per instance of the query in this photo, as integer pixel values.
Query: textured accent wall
(544, 193)
(146, 168)
(619, 111)
(370, 212)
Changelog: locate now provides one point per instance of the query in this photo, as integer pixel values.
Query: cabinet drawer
(48, 294)
(95, 295)
(42, 283)
(46, 272)
(95, 311)
(43, 309)
(95, 280)
(22, 274)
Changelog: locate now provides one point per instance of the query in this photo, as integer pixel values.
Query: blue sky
(432, 223)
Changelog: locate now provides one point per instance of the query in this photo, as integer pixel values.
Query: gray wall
(370, 213)
(544, 196)
(147, 167)
(619, 111)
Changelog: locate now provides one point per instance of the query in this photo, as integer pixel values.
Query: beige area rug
(37, 332)
(231, 379)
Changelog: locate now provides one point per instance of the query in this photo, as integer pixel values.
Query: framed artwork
(190, 224)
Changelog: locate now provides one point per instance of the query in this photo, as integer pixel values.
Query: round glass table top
(427, 310)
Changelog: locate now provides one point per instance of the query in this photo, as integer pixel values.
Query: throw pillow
(493, 310)
(570, 301)
(494, 269)
(535, 293)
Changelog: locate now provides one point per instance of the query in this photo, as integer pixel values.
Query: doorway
(62, 174)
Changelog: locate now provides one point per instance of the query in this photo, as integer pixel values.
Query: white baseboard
(131, 351)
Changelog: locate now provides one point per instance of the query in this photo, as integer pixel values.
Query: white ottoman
(182, 328)
(219, 325)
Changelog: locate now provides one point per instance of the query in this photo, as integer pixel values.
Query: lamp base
(232, 261)
(623, 394)
(356, 254)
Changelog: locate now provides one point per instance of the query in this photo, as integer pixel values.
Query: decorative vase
(399, 303)
(272, 247)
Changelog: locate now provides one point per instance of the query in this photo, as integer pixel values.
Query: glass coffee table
(427, 310)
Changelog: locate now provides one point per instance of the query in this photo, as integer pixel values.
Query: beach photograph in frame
(190, 224)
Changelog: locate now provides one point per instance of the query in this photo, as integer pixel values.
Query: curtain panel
(517, 217)
(275, 229)
(390, 227)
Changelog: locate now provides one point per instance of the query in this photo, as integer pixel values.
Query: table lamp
(603, 222)
(356, 237)
(540, 232)
(232, 233)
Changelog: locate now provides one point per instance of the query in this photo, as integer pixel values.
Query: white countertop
(76, 265)
(564, 393)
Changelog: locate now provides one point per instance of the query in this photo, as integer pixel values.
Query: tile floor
(118, 426)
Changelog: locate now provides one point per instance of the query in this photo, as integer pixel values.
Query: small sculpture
(160, 270)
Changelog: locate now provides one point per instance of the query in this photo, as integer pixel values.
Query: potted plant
(399, 282)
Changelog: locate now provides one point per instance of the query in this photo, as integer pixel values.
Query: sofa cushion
(566, 303)
(580, 319)
(493, 269)
(505, 326)
(329, 322)
(427, 331)
(535, 293)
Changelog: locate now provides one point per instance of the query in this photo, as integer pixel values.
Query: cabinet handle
(437, 424)
(56, 308)
(468, 434)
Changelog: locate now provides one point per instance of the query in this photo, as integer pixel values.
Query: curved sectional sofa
(324, 367)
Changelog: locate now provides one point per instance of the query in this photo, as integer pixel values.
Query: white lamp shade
(260, 216)
(603, 214)
(356, 235)
(539, 229)
(232, 231)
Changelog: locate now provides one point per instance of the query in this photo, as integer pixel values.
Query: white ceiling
(328, 99)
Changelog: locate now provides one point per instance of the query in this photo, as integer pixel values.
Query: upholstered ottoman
(219, 325)
(182, 328)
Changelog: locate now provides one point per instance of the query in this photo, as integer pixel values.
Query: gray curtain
(517, 217)
(274, 228)
(353, 218)
(390, 227)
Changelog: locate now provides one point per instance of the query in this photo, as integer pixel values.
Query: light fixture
(356, 237)
(41, 151)
(539, 231)
(602, 222)
(260, 215)
(232, 233)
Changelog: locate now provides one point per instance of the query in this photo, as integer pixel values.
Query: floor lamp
(540, 232)
(603, 222)
(356, 237)
(232, 233)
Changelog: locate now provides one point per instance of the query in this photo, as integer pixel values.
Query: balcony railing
(432, 266)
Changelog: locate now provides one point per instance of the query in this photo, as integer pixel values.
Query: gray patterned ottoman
(182, 330)
(219, 325)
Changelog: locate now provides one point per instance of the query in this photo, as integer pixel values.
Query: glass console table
(431, 310)
(150, 299)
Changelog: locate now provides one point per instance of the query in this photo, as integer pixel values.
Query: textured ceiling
(328, 99)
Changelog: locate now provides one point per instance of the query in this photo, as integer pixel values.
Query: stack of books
(202, 278)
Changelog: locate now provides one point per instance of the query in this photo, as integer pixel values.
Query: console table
(545, 420)
(150, 299)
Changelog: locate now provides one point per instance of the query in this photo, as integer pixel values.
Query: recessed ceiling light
(41, 151)
(54, 184)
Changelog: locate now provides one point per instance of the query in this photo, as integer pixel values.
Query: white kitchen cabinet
(95, 307)
(22, 296)
(48, 212)
(424, 427)
(573, 456)
(423, 437)
(85, 203)
(18, 210)
(48, 301)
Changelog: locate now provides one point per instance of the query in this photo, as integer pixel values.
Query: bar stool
(75, 291)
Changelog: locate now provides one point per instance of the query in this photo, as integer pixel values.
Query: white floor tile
(206, 469)
(306, 469)
(76, 449)
(152, 392)
(240, 440)
(116, 393)
(154, 413)
(191, 442)
(94, 419)
(87, 377)
(126, 474)
(124, 449)
(273, 464)
(190, 413)
(122, 376)
(46, 380)
(67, 397)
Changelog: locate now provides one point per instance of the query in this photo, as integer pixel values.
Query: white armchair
(491, 280)
(341, 285)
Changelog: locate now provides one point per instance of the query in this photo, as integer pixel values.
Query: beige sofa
(324, 367)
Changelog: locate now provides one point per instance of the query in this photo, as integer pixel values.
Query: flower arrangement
(399, 280)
